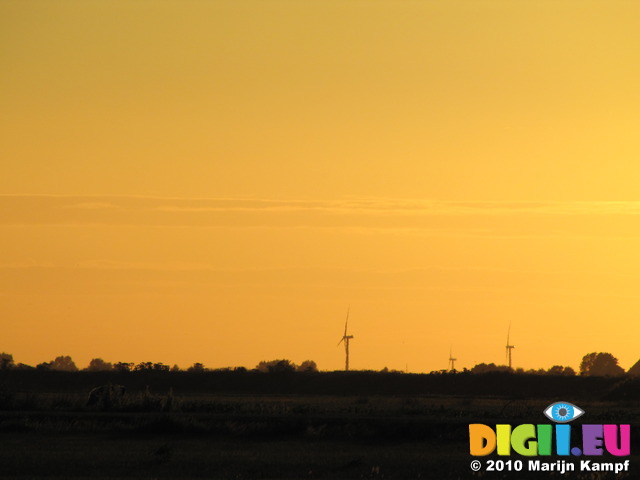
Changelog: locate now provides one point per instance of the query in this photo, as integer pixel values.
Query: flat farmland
(160, 431)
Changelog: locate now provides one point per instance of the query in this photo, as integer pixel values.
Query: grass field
(164, 433)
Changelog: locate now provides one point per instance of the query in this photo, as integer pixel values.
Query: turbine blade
(341, 340)
(346, 321)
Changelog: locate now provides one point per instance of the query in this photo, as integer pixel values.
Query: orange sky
(188, 181)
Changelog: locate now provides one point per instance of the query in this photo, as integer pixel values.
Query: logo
(544, 440)
(562, 412)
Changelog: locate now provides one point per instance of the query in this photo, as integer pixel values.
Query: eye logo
(563, 412)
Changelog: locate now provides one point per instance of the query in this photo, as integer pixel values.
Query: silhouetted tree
(63, 363)
(143, 366)
(6, 361)
(491, 367)
(560, 370)
(99, 365)
(276, 366)
(150, 366)
(308, 366)
(569, 372)
(123, 367)
(24, 366)
(196, 367)
(175, 368)
(600, 365)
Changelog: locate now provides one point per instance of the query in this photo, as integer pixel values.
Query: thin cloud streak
(110, 265)
(354, 215)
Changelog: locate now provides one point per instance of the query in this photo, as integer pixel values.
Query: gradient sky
(188, 181)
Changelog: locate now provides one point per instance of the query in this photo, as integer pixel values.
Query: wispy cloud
(241, 212)
(92, 205)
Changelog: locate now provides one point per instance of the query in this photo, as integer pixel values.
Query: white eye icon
(563, 412)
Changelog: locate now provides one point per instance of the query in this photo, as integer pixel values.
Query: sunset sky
(216, 181)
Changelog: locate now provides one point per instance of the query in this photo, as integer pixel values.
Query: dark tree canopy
(99, 365)
(276, 366)
(560, 370)
(150, 366)
(491, 367)
(308, 366)
(600, 365)
(6, 361)
(62, 363)
(123, 366)
(197, 367)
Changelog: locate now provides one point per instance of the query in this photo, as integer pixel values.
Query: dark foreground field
(212, 425)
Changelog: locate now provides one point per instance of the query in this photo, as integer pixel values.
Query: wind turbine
(452, 361)
(345, 338)
(509, 347)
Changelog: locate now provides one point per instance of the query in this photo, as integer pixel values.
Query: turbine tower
(509, 347)
(452, 361)
(345, 338)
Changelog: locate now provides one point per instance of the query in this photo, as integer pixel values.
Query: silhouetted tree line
(492, 367)
(593, 365)
(6, 363)
(283, 366)
(65, 363)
